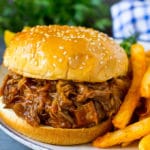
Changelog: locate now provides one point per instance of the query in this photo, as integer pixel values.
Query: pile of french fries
(126, 131)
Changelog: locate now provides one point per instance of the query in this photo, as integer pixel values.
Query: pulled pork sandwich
(64, 83)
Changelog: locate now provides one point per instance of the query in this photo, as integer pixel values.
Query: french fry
(147, 109)
(147, 57)
(145, 86)
(8, 35)
(128, 134)
(138, 62)
(125, 144)
(146, 79)
(144, 143)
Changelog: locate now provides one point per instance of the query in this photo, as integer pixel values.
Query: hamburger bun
(47, 134)
(63, 52)
(68, 53)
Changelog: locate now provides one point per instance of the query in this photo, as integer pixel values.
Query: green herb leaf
(126, 43)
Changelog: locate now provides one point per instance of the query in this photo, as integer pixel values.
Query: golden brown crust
(63, 52)
(51, 135)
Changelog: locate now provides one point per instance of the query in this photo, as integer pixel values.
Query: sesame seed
(101, 62)
(83, 63)
(38, 44)
(69, 58)
(71, 36)
(43, 62)
(67, 31)
(93, 43)
(43, 40)
(55, 56)
(54, 65)
(87, 57)
(65, 52)
(61, 47)
(111, 38)
(81, 67)
(99, 44)
(110, 57)
(34, 62)
(40, 53)
(60, 59)
(46, 35)
(48, 73)
(104, 48)
(119, 60)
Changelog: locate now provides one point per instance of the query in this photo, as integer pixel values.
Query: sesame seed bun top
(65, 52)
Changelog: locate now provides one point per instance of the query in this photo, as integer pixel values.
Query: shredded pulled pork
(61, 103)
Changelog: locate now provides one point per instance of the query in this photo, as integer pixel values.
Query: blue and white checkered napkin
(130, 17)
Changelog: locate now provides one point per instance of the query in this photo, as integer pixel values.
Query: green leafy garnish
(126, 43)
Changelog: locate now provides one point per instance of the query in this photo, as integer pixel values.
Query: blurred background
(118, 18)
(15, 14)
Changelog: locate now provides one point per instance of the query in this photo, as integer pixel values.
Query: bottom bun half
(46, 134)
